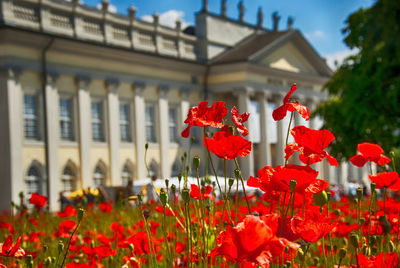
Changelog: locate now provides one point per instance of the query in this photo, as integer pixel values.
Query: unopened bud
(131, 247)
(320, 199)
(354, 240)
(60, 246)
(167, 183)
(179, 177)
(146, 146)
(173, 188)
(80, 214)
(196, 162)
(140, 198)
(237, 173)
(342, 253)
(45, 248)
(362, 221)
(163, 197)
(185, 195)
(392, 154)
(359, 193)
(292, 185)
(231, 181)
(47, 261)
(373, 186)
(192, 139)
(329, 195)
(391, 246)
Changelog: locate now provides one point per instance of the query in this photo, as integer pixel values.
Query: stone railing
(71, 19)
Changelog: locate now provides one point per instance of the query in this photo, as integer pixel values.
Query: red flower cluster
(288, 106)
(39, 201)
(369, 152)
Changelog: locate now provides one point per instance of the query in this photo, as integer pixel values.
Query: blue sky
(320, 21)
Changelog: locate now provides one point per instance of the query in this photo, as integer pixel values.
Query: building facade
(82, 90)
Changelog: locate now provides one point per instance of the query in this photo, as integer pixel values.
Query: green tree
(365, 90)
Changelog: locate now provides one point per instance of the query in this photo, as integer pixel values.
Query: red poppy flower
(311, 230)
(228, 146)
(383, 259)
(278, 179)
(369, 152)
(195, 193)
(280, 112)
(7, 249)
(65, 227)
(238, 120)
(39, 201)
(252, 240)
(390, 180)
(105, 207)
(68, 212)
(311, 145)
(204, 116)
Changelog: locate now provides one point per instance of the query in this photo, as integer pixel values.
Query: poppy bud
(173, 188)
(80, 214)
(196, 162)
(337, 212)
(231, 181)
(47, 261)
(184, 154)
(359, 193)
(320, 199)
(392, 154)
(342, 253)
(329, 195)
(362, 221)
(139, 196)
(316, 260)
(21, 195)
(167, 183)
(179, 177)
(131, 247)
(373, 187)
(335, 248)
(354, 240)
(45, 248)
(301, 255)
(60, 246)
(192, 139)
(163, 197)
(237, 173)
(12, 204)
(185, 195)
(146, 146)
(292, 185)
(345, 242)
(288, 264)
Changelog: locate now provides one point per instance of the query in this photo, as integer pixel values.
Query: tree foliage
(365, 90)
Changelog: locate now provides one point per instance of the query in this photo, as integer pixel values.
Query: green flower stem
(287, 134)
(216, 177)
(203, 229)
(244, 189)
(69, 242)
(286, 212)
(169, 260)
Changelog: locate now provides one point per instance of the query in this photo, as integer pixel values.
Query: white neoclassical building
(82, 90)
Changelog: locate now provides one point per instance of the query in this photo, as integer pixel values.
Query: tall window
(68, 180)
(149, 122)
(124, 122)
(66, 125)
(97, 121)
(126, 175)
(172, 125)
(31, 117)
(33, 181)
(99, 176)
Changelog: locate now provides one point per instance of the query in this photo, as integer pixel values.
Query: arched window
(69, 180)
(99, 176)
(126, 174)
(33, 181)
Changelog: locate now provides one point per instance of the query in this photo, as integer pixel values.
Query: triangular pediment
(288, 58)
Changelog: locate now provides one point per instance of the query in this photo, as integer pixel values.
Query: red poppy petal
(383, 160)
(358, 160)
(289, 94)
(301, 109)
(370, 150)
(279, 113)
(331, 160)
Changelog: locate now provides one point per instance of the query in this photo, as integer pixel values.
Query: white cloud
(339, 56)
(168, 18)
(111, 8)
(315, 35)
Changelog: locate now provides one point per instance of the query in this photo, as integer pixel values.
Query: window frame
(39, 115)
(129, 121)
(175, 138)
(73, 120)
(103, 122)
(154, 123)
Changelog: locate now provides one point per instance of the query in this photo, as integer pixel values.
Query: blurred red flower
(390, 180)
(39, 201)
(238, 120)
(195, 193)
(7, 249)
(369, 152)
(204, 116)
(68, 212)
(311, 145)
(228, 146)
(105, 207)
(252, 240)
(280, 112)
(384, 259)
(311, 230)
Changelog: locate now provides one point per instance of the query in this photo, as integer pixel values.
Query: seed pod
(173, 188)
(320, 199)
(131, 247)
(354, 240)
(292, 185)
(185, 195)
(359, 193)
(163, 197)
(342, 253)
(167, 183)
(362, 221)
(80, 214)
(231, 181)
(60, 246)
(45, 248)
(146, 146)
(237, 173)
(329, 195)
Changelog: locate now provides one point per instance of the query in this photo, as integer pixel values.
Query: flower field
(296, 221)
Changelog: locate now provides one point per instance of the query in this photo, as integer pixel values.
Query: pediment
(288, 58)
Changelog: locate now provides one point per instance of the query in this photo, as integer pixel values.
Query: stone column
(281, 135)
(246, 163)
(140, 132)
(113, 131)
(163, 132)
(344, 175)
(85, 130)
(265, 146)
(11, 136)
(53, 137)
